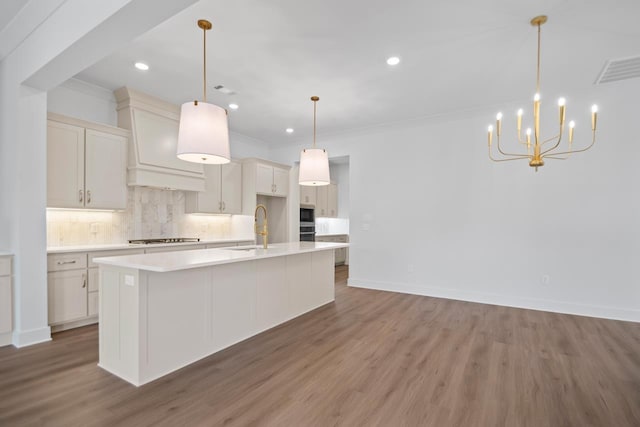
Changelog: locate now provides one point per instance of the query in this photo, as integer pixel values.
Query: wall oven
(307, 225)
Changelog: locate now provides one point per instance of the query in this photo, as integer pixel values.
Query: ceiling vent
(224, 90)
(620, 69)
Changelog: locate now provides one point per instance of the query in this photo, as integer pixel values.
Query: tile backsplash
(150, 213)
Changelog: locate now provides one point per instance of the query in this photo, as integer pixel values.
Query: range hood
(152, 160)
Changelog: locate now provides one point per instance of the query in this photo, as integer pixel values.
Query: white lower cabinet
(67, 295)
(6, 300)
(341, 254)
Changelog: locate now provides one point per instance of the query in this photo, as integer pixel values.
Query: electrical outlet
(545, 279)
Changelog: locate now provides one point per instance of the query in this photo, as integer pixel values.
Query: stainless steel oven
(307, 232)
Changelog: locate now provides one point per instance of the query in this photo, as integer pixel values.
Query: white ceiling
(456, 55)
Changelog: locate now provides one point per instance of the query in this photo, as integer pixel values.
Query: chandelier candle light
(203, 135)
(314, 162)
(536, 153)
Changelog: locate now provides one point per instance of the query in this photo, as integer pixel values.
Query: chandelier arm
(555, 146)
(549, 140)
(510, 154)
(557, 158)
(506, 160)
(593, 141)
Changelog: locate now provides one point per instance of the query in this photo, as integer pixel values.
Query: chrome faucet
(265, 232)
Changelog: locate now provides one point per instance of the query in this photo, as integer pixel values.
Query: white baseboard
(33, 336)
(503, 300)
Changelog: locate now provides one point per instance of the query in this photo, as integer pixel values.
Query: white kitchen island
(160, 312)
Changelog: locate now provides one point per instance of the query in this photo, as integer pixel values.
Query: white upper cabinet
(231, 188)
(280, 181)
(86, 166)
(327, 201)
(105, 170)
(272, 180)
(223, 191)
(65, 165)
(307, 195)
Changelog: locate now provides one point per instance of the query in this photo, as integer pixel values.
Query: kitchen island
(160, 312)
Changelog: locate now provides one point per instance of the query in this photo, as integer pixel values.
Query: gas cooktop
(164, 240)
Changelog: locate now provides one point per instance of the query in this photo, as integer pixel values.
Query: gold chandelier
(536, 151)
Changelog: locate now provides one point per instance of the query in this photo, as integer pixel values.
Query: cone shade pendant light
(203, 136)
(314, 162)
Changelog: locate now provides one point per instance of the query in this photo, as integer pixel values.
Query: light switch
(129, 280)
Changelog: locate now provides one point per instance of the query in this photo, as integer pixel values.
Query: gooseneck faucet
(265, 231)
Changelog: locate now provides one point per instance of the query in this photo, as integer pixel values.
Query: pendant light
(203, 136)
(314, 162)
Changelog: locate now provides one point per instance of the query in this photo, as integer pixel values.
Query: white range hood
(152, 153)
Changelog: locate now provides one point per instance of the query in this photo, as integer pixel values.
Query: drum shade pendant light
(314, 162)
(538, 149)
(203, 136)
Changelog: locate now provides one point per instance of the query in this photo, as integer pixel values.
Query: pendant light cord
(204, 71)
(315, 103)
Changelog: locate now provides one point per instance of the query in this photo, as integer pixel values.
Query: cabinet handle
(88, 196)
(66, 262)
(219, 206)
(224, 206)
(84, 280)
(81, 196)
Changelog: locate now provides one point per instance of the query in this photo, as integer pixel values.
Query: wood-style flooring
(370, 359)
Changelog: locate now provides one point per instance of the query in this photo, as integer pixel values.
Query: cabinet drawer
(121, 252)
(93, 304)
(5, 266)
(62, 262)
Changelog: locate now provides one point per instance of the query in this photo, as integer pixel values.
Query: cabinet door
(332, 200)
(307, 195)
(231, 188)
(105, 171)
(280, 182)
(264, 179)
(65, 166)
(322, 201)
(207, 201)
(67, 295)
(6, 299)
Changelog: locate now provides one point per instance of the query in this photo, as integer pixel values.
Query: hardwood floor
(370, 359)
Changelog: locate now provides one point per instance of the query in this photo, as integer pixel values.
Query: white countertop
(2, 253)
(183, 260)
(116, 246)
(332, 234)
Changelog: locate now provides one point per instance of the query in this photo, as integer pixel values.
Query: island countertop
(182, 260)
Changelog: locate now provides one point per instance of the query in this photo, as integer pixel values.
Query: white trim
(89, 89)
(503, 300)
(31, 337)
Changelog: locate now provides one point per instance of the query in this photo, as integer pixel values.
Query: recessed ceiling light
(394, 60)
(141, 66)
(234, 106)
(289, 130)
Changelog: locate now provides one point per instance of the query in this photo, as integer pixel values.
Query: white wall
(431, 215)
(85, 101)
(46, 57)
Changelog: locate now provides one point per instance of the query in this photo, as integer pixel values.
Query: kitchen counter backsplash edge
(119, 246)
